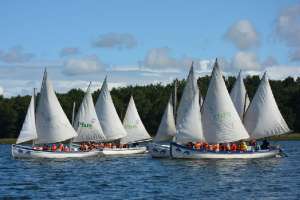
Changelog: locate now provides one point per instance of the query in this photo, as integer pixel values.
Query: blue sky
(140, 42)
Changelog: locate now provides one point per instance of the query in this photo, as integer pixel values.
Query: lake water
(141, 177)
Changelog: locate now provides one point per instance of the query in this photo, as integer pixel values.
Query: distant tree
(151, 101)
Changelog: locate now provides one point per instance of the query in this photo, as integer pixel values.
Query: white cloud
(295, 54)
(280, 72)
(115, 40)
(83, 66)
(15, 55)
(245, 61)
(288, 29)
(243, 35)
(1, 90)
(67, 51)
(269, 61)
(160, 58)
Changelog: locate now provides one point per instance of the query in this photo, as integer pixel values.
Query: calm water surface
(141, 177)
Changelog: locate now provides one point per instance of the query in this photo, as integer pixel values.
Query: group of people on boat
(241, 146)
(87, 146)
(84, 146)
(53, 147)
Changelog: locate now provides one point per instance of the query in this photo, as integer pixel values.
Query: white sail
(28, 131)
(133, 125)
(167, 129)
(109, 120)
(239, 96)
(188, 121)
(86, 122)
(51, 122)
(221, 122)
(263, 117)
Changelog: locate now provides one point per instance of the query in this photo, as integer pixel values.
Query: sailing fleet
(219, 118)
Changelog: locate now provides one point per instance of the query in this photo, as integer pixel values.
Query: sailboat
(221, 124)
(160, 147)
(263, 117)
(49, 124)
(136, 131)
(111, 124)
(86, 122)
(239, 96)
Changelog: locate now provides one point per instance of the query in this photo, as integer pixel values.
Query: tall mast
(175, 99)
(73, 113)
(34, 108)
(244, 110)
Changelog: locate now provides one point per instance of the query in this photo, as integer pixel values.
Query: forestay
(239, 96)
(109, 120)
(188, 121)
(133, 125)
(221, 122)
(51, 122)
(167, 129)
(86, 122)
(263, 117)
(28, 131)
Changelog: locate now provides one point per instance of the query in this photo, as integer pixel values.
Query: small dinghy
(49, 124)
(113, 128)
(160, 148)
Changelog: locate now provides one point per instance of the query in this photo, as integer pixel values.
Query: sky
(141, 42)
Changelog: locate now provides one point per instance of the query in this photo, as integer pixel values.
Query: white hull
(179, 151)
(19, 151)
(123, 151)
(157, 150)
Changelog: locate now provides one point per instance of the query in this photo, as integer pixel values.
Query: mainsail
(221, 122)
(51, 122)
(263, 117)
(28, 131)
(109, 120)
(86, 123)
(239, 96)
(133, 125)
(188, 121)
(167, 129)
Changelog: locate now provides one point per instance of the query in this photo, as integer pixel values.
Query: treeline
(151, 101)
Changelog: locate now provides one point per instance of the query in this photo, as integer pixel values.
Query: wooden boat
(160, 147)
(180, 151)
(113, 128)
(219, 121)
(122, 151)
(159, 150)
(20, 151)
(49, 124)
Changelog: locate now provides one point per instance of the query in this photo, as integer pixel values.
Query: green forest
(151, 101)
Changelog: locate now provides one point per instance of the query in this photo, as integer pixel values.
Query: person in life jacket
(227, 147)
(233, 147)
(243, 146)
(54, 147)
(198, 145)
(66, 149)
(61, 147)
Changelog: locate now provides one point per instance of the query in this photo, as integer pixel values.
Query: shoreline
(286, 137)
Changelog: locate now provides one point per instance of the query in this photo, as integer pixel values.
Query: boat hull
(19, 151)
(179, 151)
(157, 150)
(123, 151)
